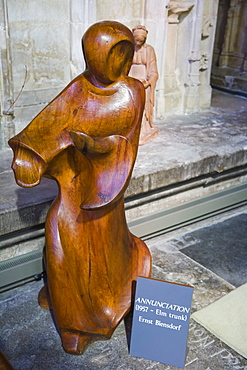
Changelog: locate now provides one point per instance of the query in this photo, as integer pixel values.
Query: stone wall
(41, 51)
(230, 48)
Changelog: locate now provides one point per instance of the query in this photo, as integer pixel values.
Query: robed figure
(144, 68)
(86, 140)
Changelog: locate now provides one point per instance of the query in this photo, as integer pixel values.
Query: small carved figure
(86, 140)
(144, 68)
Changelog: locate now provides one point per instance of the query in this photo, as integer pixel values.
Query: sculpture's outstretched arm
(28, 165)
(112, 162)
(92, 145)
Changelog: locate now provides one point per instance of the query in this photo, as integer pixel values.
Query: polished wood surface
(86, 139)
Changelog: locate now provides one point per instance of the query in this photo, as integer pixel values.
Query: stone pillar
(156, 23)
(174, 90)
(192, 83)
(207, 43)
(6, 80)
(82, 16)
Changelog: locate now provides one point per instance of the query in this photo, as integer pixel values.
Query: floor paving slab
(222, 248)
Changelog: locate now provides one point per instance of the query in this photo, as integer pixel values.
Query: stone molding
(176, 8)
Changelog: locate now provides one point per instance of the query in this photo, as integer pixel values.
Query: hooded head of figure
(108, 49)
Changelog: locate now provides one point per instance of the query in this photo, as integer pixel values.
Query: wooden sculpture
(144, 68)
(86, 140)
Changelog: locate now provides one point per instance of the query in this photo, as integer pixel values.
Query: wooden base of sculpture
(76, 341)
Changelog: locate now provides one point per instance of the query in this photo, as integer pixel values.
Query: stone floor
(210, 255)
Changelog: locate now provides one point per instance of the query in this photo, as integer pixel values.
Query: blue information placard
(161, 321)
